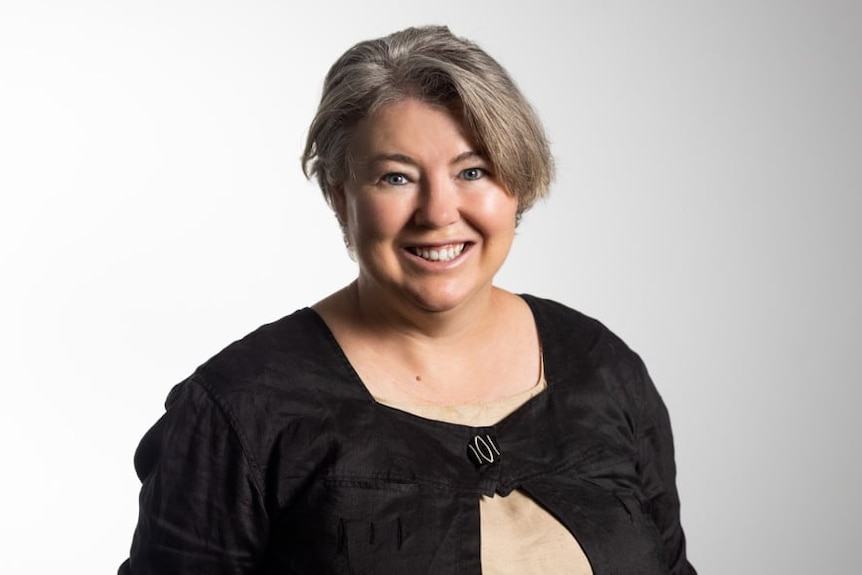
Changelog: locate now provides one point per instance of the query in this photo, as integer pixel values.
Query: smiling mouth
(438, 253)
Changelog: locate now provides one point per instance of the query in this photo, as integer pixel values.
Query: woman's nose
(438, 203)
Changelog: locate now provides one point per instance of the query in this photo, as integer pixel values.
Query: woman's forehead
(410, 129)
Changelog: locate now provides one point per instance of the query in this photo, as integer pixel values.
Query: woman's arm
(657, 469)
(201, 507)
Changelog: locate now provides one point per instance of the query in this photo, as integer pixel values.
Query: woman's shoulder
(558, 322)
(580, 344)
(288, 354)
(287, 372)
(578, 340)
(239, 402)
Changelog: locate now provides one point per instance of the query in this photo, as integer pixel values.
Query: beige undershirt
(518, 536)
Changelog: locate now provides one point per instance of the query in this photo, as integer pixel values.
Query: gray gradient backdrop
(707, 209)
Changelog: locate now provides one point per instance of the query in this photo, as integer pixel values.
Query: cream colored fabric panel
(519, 537)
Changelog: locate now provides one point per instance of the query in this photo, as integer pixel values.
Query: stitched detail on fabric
(219, 401)
(399, 533)
(342, 536)
(375, 483)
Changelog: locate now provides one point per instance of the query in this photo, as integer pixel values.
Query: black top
(274, 458)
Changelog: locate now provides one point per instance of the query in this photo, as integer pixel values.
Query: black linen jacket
(274, 458)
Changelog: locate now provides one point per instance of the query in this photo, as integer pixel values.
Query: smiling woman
(429, 223)
(421, 419)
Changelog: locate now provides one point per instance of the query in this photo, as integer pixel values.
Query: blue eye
(473, 173)
(395, 179)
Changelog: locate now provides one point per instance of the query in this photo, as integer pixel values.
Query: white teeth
(439, 254)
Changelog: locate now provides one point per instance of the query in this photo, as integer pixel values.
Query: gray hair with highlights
(434, 66)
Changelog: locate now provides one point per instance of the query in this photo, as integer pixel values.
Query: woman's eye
(395, 179)
(473, 173)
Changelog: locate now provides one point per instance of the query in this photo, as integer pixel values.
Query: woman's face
(429, 223)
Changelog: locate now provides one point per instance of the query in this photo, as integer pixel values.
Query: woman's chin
(442, 299)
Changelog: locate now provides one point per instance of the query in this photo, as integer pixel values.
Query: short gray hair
(434, 66)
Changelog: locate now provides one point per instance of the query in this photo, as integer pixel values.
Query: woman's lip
(437, 245)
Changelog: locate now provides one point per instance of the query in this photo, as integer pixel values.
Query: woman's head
(431, 65)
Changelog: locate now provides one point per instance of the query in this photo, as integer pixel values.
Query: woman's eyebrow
(405, 159)
(400, 158)
(468, 155)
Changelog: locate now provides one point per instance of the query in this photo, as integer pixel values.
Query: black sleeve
(201, 507)
(658, 472)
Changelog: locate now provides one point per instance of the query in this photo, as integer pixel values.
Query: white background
(707, 209)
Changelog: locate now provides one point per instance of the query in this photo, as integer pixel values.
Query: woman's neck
(464, 355)
(397, 318)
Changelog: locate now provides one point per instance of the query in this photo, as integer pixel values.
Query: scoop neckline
(359, 385)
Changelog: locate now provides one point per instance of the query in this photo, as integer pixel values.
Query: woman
(420, 420)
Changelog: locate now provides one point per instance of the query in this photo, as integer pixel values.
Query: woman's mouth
(438, 253)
